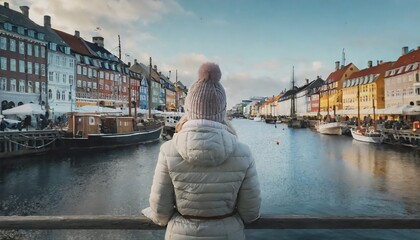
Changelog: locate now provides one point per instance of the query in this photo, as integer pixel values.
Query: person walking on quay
(205, 184)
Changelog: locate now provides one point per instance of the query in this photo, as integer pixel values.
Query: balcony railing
(265, 222)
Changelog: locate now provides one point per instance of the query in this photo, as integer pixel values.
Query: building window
(90, 72)
(64, 78)
(12, 45)
(79, 69)
(29, 67)
(42, 69)
(37, 87)
(21, 30)
(3, 84)
(3, 63)
(42, 52)
(36, 50)
(63, 95)
(30, 87)
(79, 83)
(71, 63)
(13, 65)
(36, 68)
(3, 43)
(51, 76)
(85, 71)
(31, 33)
(29, 49)
(95, 74)
(13, 85)
(43, 88)
(21, 66)
(49, 94)
(71, 79)
(57, 60)
(84, 84)
(21, 47)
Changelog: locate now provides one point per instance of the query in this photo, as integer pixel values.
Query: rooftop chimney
(98, 41)
(25, 11)
(369, 64)
(155, 67)
(307, 81)
(337, 65)
(76, 33)
(135, 61)
(418, 47)
(6, 4)
(129, 64)
(404, 50)
(47, 21)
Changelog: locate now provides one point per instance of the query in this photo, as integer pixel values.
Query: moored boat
(332, 128)
(93, 131)
(366, 135)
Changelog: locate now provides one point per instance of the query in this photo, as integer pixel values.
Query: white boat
(257, 119)
(332, 128)
(365, 135)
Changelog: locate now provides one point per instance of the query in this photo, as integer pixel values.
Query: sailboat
(366, 134)
(330, 128)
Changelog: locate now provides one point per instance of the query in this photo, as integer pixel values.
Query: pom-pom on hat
(206, 98)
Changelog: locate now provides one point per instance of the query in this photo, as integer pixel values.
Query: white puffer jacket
(204, 171)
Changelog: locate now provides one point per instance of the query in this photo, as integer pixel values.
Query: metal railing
(265, 222)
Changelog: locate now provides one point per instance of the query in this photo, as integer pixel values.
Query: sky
(256, 43)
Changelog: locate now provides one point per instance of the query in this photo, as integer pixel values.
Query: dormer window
(8, 26)
(40, 36)
(53, 46)
(31, 33)
(21, 30)
(67, 50)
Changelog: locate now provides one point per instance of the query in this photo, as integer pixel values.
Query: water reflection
(394, 171)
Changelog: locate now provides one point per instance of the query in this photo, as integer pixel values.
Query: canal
(301, 173)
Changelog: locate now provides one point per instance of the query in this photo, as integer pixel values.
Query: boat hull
(369, 137)
(98, 141)
(334, 128)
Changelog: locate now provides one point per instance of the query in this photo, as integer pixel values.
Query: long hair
(184, 119)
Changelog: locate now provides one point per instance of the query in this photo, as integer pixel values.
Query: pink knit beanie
(206, 98)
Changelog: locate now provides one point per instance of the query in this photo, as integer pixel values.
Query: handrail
(265, 222)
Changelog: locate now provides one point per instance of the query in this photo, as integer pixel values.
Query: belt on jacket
(208, 217)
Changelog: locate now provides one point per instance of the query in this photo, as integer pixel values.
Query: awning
(411, 110)
(25, 109)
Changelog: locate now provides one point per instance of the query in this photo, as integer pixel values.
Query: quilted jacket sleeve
(249, 197)
(162, 196)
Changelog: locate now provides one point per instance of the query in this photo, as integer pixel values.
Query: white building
(61, 73)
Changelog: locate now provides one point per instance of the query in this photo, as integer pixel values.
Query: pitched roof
(338, 74)
(18, 19)
(411, 60)
(378, 69)
(76, 43)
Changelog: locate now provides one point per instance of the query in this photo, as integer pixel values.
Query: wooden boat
(93, 131)
(332, 128)
(366, 135)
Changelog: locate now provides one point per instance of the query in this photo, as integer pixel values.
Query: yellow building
(331, 96)
(368, 84)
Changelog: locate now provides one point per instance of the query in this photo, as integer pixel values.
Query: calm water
(305, 174)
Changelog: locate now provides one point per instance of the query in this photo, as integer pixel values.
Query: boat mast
(292, 109)
(149, 87)
(374, 113)
(358, 107)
